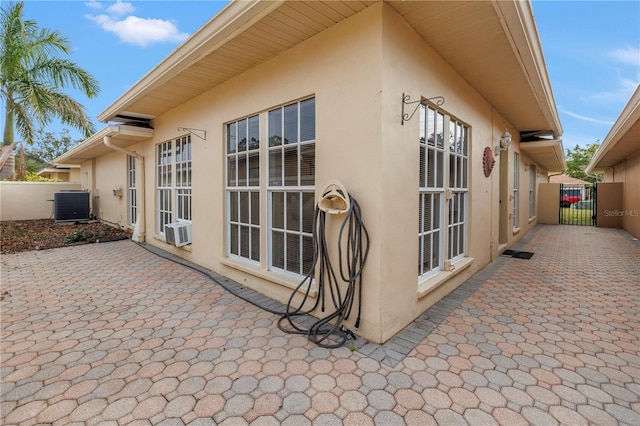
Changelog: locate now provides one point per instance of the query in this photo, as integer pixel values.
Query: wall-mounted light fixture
(505, 141)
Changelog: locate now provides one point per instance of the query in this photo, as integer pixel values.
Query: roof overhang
(493, 44)
(547, 154)
(622, 141)
(93, 147)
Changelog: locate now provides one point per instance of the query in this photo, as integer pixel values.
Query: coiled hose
(329, 332)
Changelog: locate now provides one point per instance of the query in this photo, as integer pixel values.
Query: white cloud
(120, 8)
(589, 119)
(94, 4)
(627, 55)
(140, 31)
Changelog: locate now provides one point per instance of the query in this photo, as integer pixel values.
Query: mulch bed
(25, 235)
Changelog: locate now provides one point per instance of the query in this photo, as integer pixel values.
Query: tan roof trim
(629, 119)
(94, 146)
(547, 154)
(227, 24)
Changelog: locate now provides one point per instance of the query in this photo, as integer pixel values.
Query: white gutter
(139, 230)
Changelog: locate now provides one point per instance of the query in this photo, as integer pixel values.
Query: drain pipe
(139, 230)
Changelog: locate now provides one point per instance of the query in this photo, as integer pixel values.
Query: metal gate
(578, 204)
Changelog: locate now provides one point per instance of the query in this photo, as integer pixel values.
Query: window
(131, 189)
(459, 186)
(289, 200)
(173, 174)
(431, 204)
(243, 188)
(291, 186)
(532, 190)
(444, 145)
(516, 184)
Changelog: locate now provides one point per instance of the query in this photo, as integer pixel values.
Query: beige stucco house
(405, 103)
(619, 159)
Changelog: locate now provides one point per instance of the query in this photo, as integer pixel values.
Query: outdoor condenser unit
(178, 234)
(71, 206)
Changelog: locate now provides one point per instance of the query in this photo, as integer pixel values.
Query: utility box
(71, 206)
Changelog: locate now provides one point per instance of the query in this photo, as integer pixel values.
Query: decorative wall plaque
(488, 161)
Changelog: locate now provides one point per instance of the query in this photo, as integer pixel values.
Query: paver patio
(113, 334)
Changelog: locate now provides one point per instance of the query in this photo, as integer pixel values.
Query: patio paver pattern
(113, 334)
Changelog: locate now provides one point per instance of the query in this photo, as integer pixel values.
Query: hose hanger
(353, 247)
(334, 199)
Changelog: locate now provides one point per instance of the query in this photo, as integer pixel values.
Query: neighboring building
(619, 159)
(68, 173)
(238, 131)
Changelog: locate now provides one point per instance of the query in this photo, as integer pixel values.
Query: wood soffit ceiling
(467, 34)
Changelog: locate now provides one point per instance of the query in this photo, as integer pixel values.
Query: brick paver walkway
(112, 334)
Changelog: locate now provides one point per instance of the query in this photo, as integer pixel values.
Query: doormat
(523, 255)
(518, 254)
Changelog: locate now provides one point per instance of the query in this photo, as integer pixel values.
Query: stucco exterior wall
(30, 200)
(360, 141)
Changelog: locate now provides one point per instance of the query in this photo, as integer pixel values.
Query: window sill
(427, 286)
(532, 219)
(516, 231)
(164, 241)
(288, 282)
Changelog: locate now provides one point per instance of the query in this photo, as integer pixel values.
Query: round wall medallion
(488, 161)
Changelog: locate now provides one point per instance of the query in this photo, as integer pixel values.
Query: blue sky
(592, 50)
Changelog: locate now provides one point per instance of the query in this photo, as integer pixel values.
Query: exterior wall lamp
(505, 141)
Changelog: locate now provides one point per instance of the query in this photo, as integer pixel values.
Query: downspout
(139, 230)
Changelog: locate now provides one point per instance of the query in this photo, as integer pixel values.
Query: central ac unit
(178, 234)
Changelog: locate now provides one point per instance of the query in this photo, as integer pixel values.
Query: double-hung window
(173, 182)
(444, 179)
(532, 190)
(459, 187)
(432, 150)
(516, 186)
(291, 186)
(243, 188)
(288, 200)
(131, 189)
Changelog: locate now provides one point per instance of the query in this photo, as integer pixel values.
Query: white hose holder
(334, 198)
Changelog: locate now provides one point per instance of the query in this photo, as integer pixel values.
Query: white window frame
(431, 192)
(516, 188)
(243, 228)
(173, 157)
(444, 148)
(533, 173)
(292, 187)
(459, 187)
(132, 202)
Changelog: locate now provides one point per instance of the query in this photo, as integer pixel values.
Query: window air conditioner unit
(178, 234)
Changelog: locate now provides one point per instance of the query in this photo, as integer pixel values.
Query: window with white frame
(173, 182)
(131, 189)
(516, 185)
(291, 186)
(532, 190)
(444, 146)
(459, 186)
(243, 188)
(431, 204)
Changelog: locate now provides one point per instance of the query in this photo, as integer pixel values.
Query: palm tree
(33, 75)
